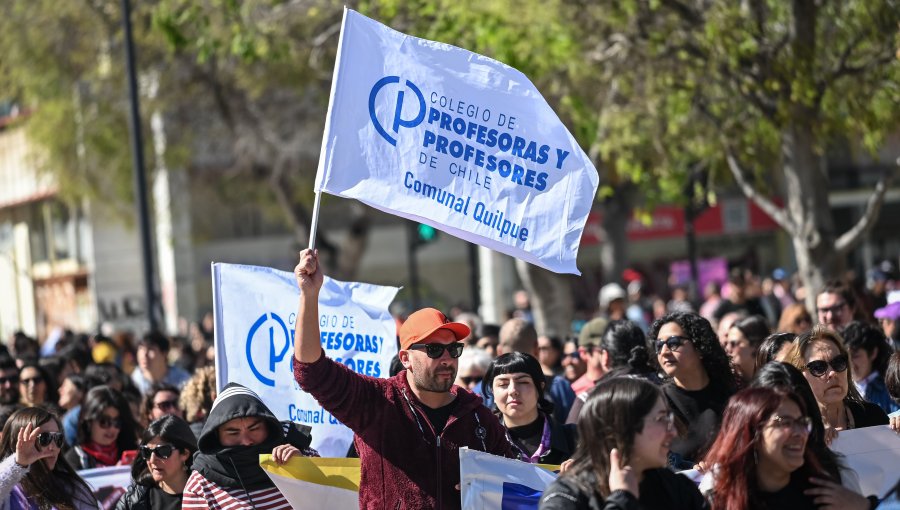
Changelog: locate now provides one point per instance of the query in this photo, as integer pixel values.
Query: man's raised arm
(307, 346)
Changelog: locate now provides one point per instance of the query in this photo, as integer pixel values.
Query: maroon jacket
(404, 465)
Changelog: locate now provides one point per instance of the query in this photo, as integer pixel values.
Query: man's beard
(9, 398)
(430, 382)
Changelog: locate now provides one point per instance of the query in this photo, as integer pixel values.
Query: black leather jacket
(137, 498)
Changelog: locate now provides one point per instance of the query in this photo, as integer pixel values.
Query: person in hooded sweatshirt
(226, 471)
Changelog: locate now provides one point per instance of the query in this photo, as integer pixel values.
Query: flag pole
(315, 221)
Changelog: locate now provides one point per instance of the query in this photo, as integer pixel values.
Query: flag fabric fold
(459, 141)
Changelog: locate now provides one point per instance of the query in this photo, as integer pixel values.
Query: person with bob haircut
(743, 341)
(625, 431)
(515, 381)
(869, 354)
(776, 347)
(106, 429)
(700, 381)
(825, 363)
(32, 474)
(761, 458)
(161, 469)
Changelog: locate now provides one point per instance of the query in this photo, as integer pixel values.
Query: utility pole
(140, 185)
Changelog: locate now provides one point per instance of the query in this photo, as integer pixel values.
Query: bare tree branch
(774, 212)
(850, 238)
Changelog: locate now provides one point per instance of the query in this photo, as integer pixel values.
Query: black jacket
(238, 466)
(866, 414)
(137, 498)
(660, 489)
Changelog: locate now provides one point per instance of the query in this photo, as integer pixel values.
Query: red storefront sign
(730, 216)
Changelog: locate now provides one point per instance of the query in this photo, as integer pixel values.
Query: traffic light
(423, 234)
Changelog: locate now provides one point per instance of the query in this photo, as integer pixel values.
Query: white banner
(874, 453)
(489, 482)
(456, 140)
(108, 483)
(255, 311)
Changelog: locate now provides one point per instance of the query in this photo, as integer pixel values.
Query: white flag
(255, 311)
(456, 140)
(489, 482)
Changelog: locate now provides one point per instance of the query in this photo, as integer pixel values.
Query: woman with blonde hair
(197, 397)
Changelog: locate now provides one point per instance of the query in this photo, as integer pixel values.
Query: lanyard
(543, 448)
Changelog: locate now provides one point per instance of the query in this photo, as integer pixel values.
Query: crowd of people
(749, 389)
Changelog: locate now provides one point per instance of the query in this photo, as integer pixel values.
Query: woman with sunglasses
(700, 381)
(824, 361)
(620, 463)
(34, 389)
(515, 382)
(162, 400)
(31, 474)
(761, 458)
(106, 429)
(473, 363)
(162, 467)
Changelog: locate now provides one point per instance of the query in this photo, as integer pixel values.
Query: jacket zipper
(440, 499)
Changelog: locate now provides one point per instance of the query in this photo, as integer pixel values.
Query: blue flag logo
(519, 497)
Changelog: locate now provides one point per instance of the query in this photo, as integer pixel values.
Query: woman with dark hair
(869, 355)
(36, 387)
(824, 361)
(161, 471)
(700, 381)
(31, 474)
(623, 351)
(620, 463)
(161, 400)
(550, 351)
(761, 460)
(743, 342)
(776, 347)
(787, 379)
(516, 383)
(106, 429)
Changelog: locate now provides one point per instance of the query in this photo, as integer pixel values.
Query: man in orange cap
(409, 428)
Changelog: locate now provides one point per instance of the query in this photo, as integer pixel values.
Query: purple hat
(891, 311)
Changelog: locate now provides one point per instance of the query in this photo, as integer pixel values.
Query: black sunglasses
(162, 451)
(435, 351)
(166, 404)
(12, 379)
(45, 438)
(674, 343)
(819, 367)
(106, 422)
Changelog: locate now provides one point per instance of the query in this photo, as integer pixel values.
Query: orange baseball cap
(423, 323)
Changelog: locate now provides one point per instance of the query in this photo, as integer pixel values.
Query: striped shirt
(201, 493)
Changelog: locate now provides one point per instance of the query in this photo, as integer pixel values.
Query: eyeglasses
(833, 309)
(165, 405)
(819, 367)
(45, 438)
(674, 343)
(162, 451)
(572, 355)
(469, 380)
(106, 422)
(10, 379)
(36, 380)
(435, 351)
(803, 423)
